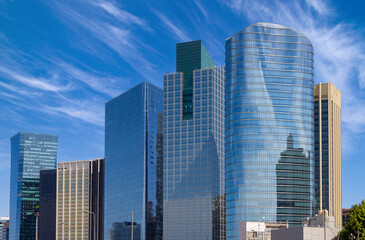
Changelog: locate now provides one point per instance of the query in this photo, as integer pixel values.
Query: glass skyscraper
(30, 153)
(269, 126)
(133, 164)
(194, 147)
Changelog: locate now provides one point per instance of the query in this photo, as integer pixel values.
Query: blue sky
(60, 61)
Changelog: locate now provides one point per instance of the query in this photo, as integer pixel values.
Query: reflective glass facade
(30, 153)
(194, 158)
(133, 164)
(189, 57)
(269, 126)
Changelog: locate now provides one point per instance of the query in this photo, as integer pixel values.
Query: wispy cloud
(52, 87)
(339, 48)
(121, 14)
(3, 37)
(17, 90)
(30, 81)
(202, 10)
(319, 6)
(97, 81)
(92, 113)
(116, 36)
(177, 30)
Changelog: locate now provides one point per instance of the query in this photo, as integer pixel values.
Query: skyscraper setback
(194, 146)
(269, 126)
(133, 164)
(30, 153)
(189, 57)
(327, 125)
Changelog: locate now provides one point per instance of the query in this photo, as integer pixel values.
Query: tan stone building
(327, 149)
(80, 194)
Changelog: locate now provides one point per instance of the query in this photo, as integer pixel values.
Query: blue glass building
(269, 126)
(133, 164)
(194, 147)
(30, 153)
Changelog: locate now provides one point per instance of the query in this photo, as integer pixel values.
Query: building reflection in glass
(123, 230)
(294, 191)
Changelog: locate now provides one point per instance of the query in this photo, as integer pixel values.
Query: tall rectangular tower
(30, 153)
(194, 147)
(327, 125)
(133, 164)
(47, 204)
(80, 198)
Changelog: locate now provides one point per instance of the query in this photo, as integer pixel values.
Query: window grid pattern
(194, 158)
(269, 126)
(73, 200)
(30, 153)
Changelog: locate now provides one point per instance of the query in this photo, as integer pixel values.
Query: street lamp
(36, 225)
(94, 222)
(258, 232)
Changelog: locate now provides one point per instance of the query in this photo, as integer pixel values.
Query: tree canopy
(355, 223)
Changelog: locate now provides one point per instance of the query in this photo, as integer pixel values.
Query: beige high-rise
(327, 141)
(80, 195)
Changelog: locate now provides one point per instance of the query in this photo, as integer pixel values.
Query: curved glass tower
(269, 126)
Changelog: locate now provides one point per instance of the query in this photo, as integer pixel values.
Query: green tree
(356, 223)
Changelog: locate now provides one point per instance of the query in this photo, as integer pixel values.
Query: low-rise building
(4, 228)
(314, 228)
(346, 215)
(251, 230)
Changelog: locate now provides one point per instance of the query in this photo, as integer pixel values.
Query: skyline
(52, 84)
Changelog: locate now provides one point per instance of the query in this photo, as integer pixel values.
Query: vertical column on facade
(91, 218)
(320, 147)
(337, 158)
(83, 201)
(57, 206)
(330, 153)
(339, 218)
(69, 201)
(76, 199)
